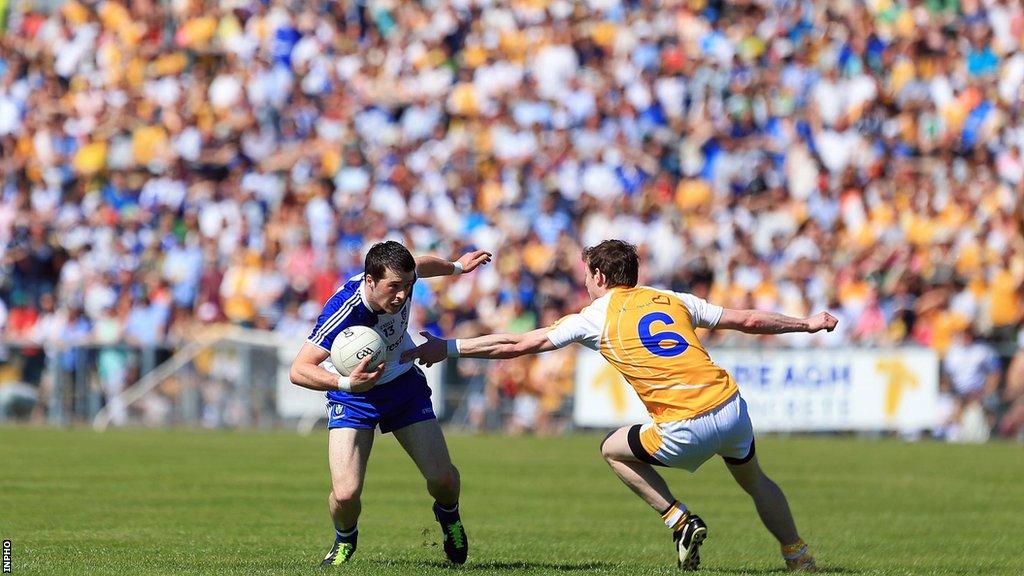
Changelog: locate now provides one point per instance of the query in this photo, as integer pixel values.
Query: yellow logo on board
(608, 377)
(898, 379)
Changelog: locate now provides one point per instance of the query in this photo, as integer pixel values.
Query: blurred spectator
(1012, 424)
(974, 371)
(77, 331)
(480, 399)
(972, 367)
(112, 361)
(3, 326)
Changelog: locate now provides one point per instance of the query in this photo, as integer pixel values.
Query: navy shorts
(392, 405)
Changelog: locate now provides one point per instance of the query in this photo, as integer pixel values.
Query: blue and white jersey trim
(343, 309)
(335, 320)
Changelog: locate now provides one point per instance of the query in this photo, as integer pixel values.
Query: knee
(345, 495)
(446, 482)
(607, 450)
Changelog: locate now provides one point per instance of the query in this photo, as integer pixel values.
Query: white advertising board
(791, 390)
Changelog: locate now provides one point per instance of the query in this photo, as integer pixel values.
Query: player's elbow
(752, 323)
(526, 346)
(740, 320)
(517, 349)
(504, 352)
(295, 374)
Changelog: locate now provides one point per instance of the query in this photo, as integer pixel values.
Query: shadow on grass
(495, 565)
(582, 567)
(779, 570)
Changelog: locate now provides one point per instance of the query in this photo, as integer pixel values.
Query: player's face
(390, 292)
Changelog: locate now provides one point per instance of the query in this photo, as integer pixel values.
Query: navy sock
(347, 536)
(445, 512)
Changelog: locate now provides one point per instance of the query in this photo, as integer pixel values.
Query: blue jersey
(349, 307)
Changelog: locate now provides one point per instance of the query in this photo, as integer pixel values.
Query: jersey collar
(362, 296)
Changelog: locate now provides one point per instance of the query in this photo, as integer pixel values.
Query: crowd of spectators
(171, 164)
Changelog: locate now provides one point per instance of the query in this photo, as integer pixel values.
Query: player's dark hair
(617, 260)
(389, 255)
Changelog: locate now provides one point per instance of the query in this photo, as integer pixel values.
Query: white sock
(674, 514)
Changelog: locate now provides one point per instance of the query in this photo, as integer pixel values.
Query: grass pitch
(192, 502)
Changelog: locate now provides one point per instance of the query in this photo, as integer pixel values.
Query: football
(354, 344)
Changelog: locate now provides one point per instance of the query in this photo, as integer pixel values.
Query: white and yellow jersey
(648, 335)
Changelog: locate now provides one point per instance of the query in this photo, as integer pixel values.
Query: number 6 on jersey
(653, 340)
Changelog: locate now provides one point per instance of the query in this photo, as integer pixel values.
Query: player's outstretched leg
(348, 450)
(773, 509)
(426, 446)
(631, 462)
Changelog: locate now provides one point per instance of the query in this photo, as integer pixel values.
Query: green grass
(176, 502)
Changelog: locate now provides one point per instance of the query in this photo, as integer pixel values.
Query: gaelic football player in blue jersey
(393, 396)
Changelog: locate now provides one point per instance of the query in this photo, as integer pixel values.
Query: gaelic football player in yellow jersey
(695, 406)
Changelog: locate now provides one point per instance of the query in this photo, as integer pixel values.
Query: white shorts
(687, 444)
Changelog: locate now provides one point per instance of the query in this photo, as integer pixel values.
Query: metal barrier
(214, 380)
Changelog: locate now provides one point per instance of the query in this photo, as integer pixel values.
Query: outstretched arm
(491, 347)
(758, 322)
(431, 266)
(495, 346)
